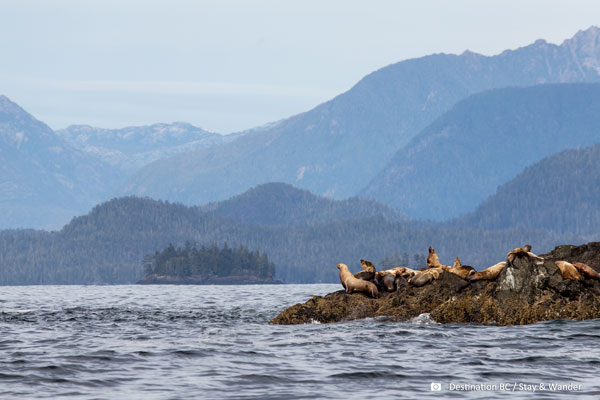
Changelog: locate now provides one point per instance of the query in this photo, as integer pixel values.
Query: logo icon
(436, 386)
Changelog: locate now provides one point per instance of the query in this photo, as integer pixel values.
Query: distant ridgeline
(108, 245)
(208, 265)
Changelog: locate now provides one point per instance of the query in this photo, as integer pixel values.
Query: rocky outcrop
(588, 254)
(524, 293)
(155, 279)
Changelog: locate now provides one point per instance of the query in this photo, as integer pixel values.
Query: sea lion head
(475, 276)
(457, 263)
(527, 248)
(367, 265)
(341, 266)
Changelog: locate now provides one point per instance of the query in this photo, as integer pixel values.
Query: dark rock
(588, 254)
(524, 278)
(406, 302)
(525, 292)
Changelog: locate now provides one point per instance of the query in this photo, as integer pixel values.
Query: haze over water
(157, 342)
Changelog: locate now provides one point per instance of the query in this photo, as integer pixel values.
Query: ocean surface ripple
(215, 342)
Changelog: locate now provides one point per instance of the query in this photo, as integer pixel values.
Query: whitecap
(422, 319)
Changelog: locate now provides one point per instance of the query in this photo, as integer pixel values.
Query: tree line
(209, 261)
(108, 245)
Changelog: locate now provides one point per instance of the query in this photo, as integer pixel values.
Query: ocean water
(215, 342)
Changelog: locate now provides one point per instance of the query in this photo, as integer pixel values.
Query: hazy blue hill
(43, 180)
(483, 142)
(108, 245)
(135, 146)
(341, 145)
(280, 204)
(104, 246)
(559, 193)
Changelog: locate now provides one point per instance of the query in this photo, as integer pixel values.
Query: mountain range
(482, 142)
(44, 181)
(280, 204)
(108, 245)
(48, 177)
(491, 146)
(558, 193)
(339, 147)
(136, 146)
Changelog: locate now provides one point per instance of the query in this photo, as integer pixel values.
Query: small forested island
(208, 265)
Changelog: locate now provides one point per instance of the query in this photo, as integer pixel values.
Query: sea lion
(489, 273)
(368, 272)
(568, 271)
(403, 275)
(422, 278)
(461, 270)
(352, 284)
(586, 271)
(386, 280)
(521, 252)
(398, 270)
(405, 272)
(433, 261)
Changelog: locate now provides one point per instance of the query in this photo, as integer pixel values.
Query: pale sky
(232, 65)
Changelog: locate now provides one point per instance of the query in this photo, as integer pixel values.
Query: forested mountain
(338, 147)
(108, 244)
(483, 142)
(43, 180)
(133, 147)
(559, 193)
(280, 204)
(458, 159)
(332, 150)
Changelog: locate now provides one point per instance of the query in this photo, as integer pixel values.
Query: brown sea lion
(403, 275)
(522, 252)
(489, 273)
(386, 280)
(352, 284)
(422, 278)
(586, 271)
(433, 260)
(398, 270)
(461, 270)
(403, 272)
(388, 277)
(368, 272)
(568, 271)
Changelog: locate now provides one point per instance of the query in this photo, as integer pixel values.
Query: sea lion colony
(371, 281)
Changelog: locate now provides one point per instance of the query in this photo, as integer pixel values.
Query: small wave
(5, 376)
(423, 319)
(368, 375)
(189, 353)
(15, 311)
(260, 378)
(403, 333)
